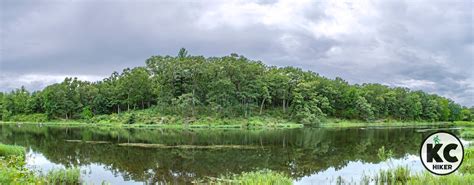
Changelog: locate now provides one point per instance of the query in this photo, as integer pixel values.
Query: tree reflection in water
(296, 152)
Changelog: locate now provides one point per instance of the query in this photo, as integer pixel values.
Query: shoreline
(153, 126)
(329, 124)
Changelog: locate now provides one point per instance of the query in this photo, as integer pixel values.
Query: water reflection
(307, 155)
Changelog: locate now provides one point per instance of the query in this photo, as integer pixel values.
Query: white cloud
(38, 81)
(416, 84)
(419, 44)
(282, 15)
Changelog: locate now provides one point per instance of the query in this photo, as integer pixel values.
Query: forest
(227, 87)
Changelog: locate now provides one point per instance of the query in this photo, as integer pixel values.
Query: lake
(137, 156)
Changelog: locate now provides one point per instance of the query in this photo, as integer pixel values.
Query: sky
(423, 45)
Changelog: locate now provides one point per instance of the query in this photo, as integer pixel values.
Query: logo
(442, 153)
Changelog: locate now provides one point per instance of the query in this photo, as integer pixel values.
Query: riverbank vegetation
(8, 150)
(398, 175)
(263, 177)
(13, 170)
(194, 88)
(403, 175)
(393, 175)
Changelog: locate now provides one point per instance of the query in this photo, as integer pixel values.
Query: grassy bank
(467, 131)
(403, 175)
(262, 177)
(236, 125)
(253, 123)
(398, 175)
(14, 171)
(152, 118)
(8, 150)
(155, 117)
(258, 122)
(357, 123)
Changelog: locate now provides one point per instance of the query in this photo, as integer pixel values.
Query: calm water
(308, 155)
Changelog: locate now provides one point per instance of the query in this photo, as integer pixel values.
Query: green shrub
(131, 119)
(428, 178)
(63, 176)
(402, 175)
(38, 117)
(13, 171)
(384, 154)
(86, 113)
(467, 133)
(8, 150)
(467, 166)
(262, 177)
(100, 119)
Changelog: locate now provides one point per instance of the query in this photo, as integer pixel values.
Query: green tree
(305, 104)
(229, 86)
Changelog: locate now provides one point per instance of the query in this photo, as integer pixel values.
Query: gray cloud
(424, 45)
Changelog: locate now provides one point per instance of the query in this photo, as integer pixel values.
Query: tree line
(229, 86)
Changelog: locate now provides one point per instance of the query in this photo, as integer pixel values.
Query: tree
(413, 106)
(1, 105)
(136, 87)
(364, 109)
(185, 104)
(430, 110)
(183, 53)
(443, 109)
(229, 86)
(455, 111)
(86, 113)
(305, 105)
(54, 98)
(466, 114)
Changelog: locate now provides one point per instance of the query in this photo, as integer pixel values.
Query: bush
(263, 177)
(257, 177)
(86, 113)
(13, 170)
(29, 118)
(131, 119)
(63, 176)
(8, 150)
(467, 166)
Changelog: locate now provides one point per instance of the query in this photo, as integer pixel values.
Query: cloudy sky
(425, 45)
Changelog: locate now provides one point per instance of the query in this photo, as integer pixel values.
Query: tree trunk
(245, 108)
(284, 105)
(261, 105)
(192, 109)
(128, 102)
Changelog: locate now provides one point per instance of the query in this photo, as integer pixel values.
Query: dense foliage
(230, 86)
(13, 170)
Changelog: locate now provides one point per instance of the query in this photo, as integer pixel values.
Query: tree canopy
(229, 86)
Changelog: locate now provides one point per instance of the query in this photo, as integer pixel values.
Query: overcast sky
(425, 45)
